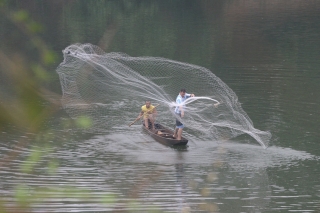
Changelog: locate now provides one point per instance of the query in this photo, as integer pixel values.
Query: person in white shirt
(179, 110)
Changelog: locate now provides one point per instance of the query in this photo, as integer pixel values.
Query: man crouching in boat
(149, 112)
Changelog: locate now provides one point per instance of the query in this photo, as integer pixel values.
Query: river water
(267, 52)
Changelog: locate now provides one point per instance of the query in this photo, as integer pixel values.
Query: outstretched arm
(138, 118)
(190, 95)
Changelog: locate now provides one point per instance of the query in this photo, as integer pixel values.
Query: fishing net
(110, 88)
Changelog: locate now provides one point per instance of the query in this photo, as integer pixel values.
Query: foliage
(25, 106)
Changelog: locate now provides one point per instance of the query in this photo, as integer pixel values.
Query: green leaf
(22, 194)
(2, 3)
(52, 167)
(49, 57)
(84, 122)
(21, 15)
(108, 199)
(34, 27)
(2, 208)
(32, 160)
(40, 72)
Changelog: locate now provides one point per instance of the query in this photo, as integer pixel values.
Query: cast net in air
(110, 88)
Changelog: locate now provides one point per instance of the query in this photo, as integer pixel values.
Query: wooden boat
(165, 136)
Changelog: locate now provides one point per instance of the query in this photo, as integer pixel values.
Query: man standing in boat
(149, 112)
(179, 110)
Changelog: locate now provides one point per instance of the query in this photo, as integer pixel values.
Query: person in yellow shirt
(149, 112)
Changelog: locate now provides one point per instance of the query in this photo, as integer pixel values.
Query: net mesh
(110, 88)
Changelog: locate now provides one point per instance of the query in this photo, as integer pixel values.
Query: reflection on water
(205, 176)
